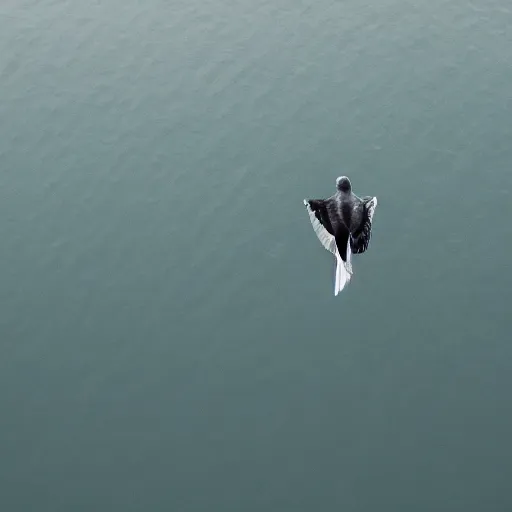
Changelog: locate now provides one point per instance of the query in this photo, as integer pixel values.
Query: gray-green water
(169, 339)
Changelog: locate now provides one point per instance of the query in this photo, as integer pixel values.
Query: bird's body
(343, 224)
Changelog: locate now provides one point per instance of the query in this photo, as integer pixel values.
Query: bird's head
(343, 184)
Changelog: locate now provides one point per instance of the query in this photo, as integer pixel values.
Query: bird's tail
(343, 271)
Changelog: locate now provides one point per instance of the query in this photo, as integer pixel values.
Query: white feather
(371, 205)
(343, 270)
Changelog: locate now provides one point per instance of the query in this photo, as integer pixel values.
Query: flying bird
(343, 224)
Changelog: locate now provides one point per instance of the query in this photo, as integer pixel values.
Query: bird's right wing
(360, 240)
(319, 217)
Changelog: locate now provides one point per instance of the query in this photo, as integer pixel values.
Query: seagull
(343, 224)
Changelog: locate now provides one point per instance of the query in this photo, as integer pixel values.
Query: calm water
(169, 338)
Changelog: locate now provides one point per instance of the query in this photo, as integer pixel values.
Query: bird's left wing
(319, 217)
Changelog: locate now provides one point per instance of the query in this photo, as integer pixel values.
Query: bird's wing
(319, 217)
(360, 239)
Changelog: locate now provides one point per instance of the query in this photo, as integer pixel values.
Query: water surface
(169, 339)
